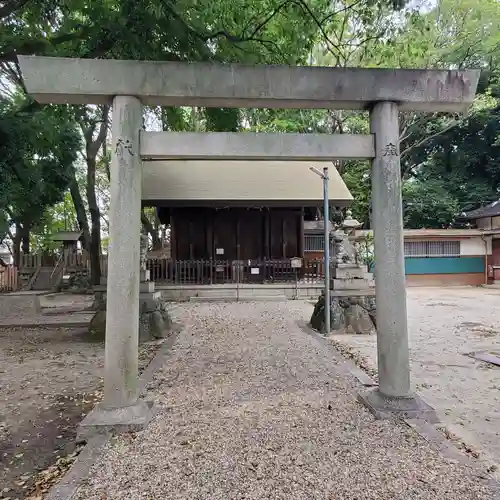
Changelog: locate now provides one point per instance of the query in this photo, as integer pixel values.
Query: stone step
(246, 298)
(43, 280)
(368, 292)
(232, 292)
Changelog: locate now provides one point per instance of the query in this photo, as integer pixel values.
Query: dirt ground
(50, 378)
(445, 325)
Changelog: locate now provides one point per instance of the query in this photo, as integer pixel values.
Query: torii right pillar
(393, 397)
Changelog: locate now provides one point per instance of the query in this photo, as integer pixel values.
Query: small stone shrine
(352, 289)
(154, 319)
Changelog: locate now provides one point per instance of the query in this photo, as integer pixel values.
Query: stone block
(79, 280)
(156, 295)
(349, 265)
(99, 301)
(145, 334)
(357, 320)
(154, 324)
(101, 420)
(144, 275)
(97, 326)
(154, 319)
(149, 301)
(147, 287)
(348, 314)
(337, 316)
(352, 284)
(12, 306)
(348, 272)
(383, 407)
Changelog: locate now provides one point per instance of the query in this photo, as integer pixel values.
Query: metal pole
(327, 250)
(238, 271)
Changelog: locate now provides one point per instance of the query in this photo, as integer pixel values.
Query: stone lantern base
(154, 319)
(351, 312)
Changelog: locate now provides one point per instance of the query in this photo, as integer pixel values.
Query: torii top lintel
(97, 81)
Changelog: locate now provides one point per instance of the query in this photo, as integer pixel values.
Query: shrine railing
(164, 270)
(212, 272)
(80, 260)
(9, 279)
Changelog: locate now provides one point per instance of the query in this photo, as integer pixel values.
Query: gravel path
(445, 324)
(250, 407)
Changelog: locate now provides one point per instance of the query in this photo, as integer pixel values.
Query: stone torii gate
(127, 85)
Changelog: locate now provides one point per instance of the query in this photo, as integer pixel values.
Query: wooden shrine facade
(236, 233)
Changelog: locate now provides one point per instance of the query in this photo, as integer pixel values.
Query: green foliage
(175, 119)
(462, 171)
(222, 119)
(428, 204)
(358, 181)
(449, 163)
(37, 151)
(56, 218)
(366, 250)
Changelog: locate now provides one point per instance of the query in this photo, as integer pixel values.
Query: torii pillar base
(384, 407)
(102, 420)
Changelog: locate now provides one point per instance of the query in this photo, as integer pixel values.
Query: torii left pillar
(121, 410)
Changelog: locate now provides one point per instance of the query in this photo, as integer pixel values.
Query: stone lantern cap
(349, 223)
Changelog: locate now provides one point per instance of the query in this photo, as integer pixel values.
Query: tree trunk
(81, 216)
(148, 226)
(95, 218)
(17, 248)
(92, 147)
(24, 234)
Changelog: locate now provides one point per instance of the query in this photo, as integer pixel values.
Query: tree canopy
(37, 151)
(50, 154)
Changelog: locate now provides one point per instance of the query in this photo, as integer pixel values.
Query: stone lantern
(352, 295)
(349, 225)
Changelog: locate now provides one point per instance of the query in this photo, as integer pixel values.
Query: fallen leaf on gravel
(48, 477)
(351, 353)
